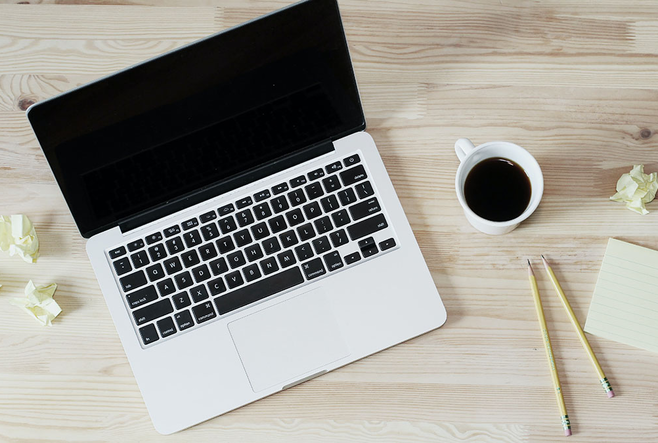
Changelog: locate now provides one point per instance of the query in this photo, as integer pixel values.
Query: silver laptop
(241, 224)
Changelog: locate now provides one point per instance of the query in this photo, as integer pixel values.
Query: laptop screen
(159, 132)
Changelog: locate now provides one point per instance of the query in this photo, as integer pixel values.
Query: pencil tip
(542, 257)
(528, 262)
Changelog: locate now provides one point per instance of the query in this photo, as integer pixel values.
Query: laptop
(241, 224)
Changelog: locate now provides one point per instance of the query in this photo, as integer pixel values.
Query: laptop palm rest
(288, 341)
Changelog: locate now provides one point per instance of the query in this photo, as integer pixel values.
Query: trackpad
(290, 340)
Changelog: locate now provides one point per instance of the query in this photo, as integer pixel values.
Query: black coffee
(497, 189)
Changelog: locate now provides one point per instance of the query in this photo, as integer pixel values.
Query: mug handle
(463, 147)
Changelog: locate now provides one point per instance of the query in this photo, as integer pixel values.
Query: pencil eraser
(611, 393)
(567, 432)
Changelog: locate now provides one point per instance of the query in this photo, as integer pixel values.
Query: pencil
(566, 424)
(583, 338)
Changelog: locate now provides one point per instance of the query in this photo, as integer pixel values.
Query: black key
(304, 251)
(218, 266)
(117, 252)
(245, 217)
(387, 244)
(135, 245)
(204, 312)
(254, 252)
(181, 300)
(175, 245)
(323, 225)
(192, 238)
(139, 259)
(365, 208)
(227, 224)
(331, 183)
(183, 280)
(288, 239)
(340, 218)
(269, 265)
(260, 230)
(279, 204)
(173, 265)
(205, 218)
(314, 190)
(251, 272)
(226, 209)
(166, 287)
(338, 238)
(172, 231)
(367, 227)
(368, 247)
(259, 290)
(312, 210)
(321, 244)
(225, 245)
(351, 258)
(234, 279)
(296, 197)
(313, 269)
(330, 203)
(190, 258)
(370, 251)
(271, 245)
(166, 327)
(294, 217)
(216, 286)
(262, 195)
(306, 232)
(209, 231)
(149, 334)
(336, 166)
(189, 224)
(155, 272)
(122, 266)
(207, 252)
(353, 175)
(153, 311)
(199, 293)
(287, 258)
(314, 175)
(157, 252)
(347, 196)
(277, 224)
(133, 281)
(278, 189)
(333, 261)
(201, 273)
(298, 181)
(242, 238)
(184, 320)
(142, 296)
(364, 190)
(262, 211)
(236, 259)
(244, 202)
(351, 160)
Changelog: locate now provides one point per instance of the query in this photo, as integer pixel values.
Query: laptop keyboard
(260, 245)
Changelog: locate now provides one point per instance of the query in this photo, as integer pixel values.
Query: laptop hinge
(210, 191)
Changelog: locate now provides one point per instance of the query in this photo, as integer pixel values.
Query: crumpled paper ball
(18, 237)
(636, 189)
(39, 302)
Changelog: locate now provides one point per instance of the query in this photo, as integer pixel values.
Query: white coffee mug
(470, 155)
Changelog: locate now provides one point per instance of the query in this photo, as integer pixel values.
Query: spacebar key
(259, 290)
(367, 226)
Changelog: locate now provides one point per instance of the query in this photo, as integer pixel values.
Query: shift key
(151, 312)
(367, 226)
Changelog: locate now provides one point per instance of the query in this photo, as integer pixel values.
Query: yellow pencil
(583, 339)
(566, 425)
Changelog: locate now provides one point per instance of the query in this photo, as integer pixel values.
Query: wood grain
(574, 82)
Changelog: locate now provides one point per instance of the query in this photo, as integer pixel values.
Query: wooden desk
(575, 84)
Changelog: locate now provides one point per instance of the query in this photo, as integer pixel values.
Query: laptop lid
(203, 119)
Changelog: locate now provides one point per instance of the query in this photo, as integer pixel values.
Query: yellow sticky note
(624, 306)
(39, 302)
(18, 237)
(636, 189)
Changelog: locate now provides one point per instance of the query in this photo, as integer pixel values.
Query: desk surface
(574, 84)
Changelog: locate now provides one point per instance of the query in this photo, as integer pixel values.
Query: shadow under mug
(470, 155)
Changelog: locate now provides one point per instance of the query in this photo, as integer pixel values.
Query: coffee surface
(497, 189)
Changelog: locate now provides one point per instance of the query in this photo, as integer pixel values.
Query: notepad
(625, 303)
